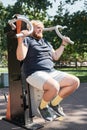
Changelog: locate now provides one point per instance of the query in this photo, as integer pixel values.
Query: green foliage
(3, 45)
(71, 1)
(81, 73)
(77, 31)
(37, 9)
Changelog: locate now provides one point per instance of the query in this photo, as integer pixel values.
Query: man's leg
(43, 81)
(51, 88)
(68, 85)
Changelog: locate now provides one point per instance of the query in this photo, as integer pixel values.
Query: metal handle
(56, 28)
(17, 17)
(30, 26)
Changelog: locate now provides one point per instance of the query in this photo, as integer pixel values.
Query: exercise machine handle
(17, 17)
(56, 28)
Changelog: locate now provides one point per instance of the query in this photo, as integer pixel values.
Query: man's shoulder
(30, 38)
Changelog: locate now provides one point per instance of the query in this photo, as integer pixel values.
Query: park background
(74, 58)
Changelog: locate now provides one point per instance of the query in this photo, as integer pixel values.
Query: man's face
(38, 31)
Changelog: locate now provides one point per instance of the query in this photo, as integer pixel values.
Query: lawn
(80, 72)
(3, 70)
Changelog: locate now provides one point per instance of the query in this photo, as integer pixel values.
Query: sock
(56, 100)
(43, 104)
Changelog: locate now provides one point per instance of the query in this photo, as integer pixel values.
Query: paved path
(3, 102)
(75, 107)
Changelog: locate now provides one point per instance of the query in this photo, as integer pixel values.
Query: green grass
(3, 70)
(80, 72)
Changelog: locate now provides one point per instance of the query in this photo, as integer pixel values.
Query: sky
(6, 2)
(52, 11)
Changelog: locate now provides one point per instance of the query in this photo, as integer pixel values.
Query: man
(38, 56)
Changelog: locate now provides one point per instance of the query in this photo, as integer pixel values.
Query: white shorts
(38, 78)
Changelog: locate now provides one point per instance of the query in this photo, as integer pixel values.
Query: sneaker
(58, 110)
(46, 113)
(53, 114)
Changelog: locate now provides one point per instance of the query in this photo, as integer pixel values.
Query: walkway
(75, 107)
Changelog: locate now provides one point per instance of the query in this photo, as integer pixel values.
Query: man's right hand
(25, 33)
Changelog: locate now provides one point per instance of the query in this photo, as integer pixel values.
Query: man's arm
(58, 52)
(21, 50)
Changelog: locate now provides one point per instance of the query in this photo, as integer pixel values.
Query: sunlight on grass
(80, 72)
(3, 70)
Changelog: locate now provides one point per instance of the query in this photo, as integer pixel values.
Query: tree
(77, 31)
(37, 9)
(3, 46)
(85, 5)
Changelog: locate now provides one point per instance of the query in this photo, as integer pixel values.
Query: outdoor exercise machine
(30, 27)
(23, 99)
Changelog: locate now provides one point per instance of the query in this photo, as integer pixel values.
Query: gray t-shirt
(39, 56)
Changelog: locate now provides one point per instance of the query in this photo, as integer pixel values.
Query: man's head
(38, 29)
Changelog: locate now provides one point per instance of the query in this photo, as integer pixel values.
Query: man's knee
(52, 86)
(77, 82)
